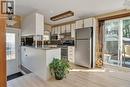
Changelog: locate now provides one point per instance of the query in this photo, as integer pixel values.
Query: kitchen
(61, 40)
(67, 43)
(61, 35)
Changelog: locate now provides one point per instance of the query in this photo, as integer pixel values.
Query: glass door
(117, 42)
(112, 43)
(126, 43)
(12, 48)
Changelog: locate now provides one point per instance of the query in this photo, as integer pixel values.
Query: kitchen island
(37, 60)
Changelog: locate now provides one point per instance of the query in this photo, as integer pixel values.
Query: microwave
(27, 41)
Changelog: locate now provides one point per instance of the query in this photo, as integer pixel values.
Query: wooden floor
(78, 77)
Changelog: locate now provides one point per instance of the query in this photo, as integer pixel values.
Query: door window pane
(10, 46)
(126, 43)
(117, 42)
(111, 34)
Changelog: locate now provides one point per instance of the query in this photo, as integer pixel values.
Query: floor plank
(78, 77)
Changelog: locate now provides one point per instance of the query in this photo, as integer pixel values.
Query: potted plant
(59, 68)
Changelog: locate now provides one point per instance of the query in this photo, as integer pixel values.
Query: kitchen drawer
(71, 53)
(70, 59)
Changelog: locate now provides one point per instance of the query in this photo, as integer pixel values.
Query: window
(10, 46)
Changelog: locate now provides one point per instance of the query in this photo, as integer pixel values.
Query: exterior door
(112, 42)
(12, 48)
(117, 42)
(126, 43)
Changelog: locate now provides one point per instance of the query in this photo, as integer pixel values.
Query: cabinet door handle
(26, 55)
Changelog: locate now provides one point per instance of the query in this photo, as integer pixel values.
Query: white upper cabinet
(68, 28)
(73, 27)
(88, 22)
(63, 27)
(53, 30)
(56, 30)
(39, 24)
(59, 29)
(33, 24)
(79, 24)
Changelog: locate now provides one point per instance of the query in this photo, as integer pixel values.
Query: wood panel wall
(18, 21)
(2, 50)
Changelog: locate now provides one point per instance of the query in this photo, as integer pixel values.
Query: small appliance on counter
(68, 42)
(54, 37)
(32, 40)
(27, 40)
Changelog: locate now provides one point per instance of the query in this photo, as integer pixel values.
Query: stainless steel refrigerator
(84, 47)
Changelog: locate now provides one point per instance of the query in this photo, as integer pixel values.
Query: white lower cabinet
(71, 54)
(37, 60)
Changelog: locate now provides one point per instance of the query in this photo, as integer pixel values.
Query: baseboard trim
(24, 70)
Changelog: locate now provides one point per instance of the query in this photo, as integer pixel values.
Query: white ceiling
(81, 8)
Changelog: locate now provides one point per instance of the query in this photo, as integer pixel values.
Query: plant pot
(58, 77)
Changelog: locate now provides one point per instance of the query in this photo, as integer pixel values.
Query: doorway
(12, 51)
(117, 42)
